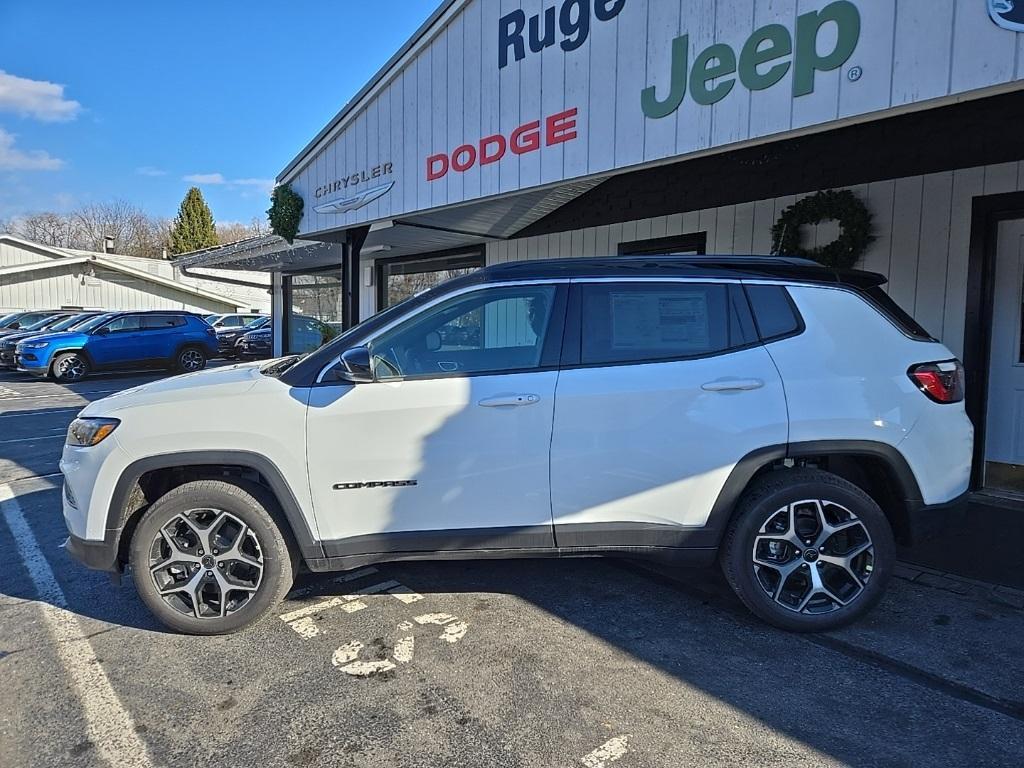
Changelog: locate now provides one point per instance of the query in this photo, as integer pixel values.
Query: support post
(350, 248)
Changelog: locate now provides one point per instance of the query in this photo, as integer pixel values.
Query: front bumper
(31, 362)
(7, 359)
(926, 522)
(98, 555)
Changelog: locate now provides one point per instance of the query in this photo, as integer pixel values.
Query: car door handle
(732, 385)
(500, 400)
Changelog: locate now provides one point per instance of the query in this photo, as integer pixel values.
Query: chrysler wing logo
(356, 201)
(1008, 14)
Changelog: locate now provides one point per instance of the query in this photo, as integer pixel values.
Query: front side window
(124, 324)
(647, 322)
(485, 331)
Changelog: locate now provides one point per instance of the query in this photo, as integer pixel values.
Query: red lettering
(433, 174)
(469, 151)
(557, 129)
(496, 140)
(561, 127)
(525, 138)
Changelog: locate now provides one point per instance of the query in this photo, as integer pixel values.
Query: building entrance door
(1004, 433)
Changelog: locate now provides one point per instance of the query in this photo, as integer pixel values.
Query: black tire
(70, 366)
(241, 501)
(763, 512)
(190, 359)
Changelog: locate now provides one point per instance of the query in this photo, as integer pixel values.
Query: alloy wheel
(191, 360)
(813, 556)
(206, 563)
(71, 368)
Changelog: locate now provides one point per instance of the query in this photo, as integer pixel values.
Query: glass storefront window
(402, 278)
(314, 303)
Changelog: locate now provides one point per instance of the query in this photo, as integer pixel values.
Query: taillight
(942, 382)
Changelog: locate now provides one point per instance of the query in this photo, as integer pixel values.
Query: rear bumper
(926, 522)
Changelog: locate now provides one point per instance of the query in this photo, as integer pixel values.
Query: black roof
(736, 267)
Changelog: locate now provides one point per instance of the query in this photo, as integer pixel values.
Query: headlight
(90, 431)
(33, 344)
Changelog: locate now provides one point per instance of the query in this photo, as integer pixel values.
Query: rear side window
(773, 310)
(162, 322)
(885, 304)
(646, 322)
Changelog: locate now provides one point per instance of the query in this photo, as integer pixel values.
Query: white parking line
(107, 723)
(609, 752)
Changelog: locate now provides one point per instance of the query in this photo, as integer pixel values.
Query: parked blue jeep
(122, 341)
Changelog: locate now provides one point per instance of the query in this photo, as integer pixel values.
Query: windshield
(31, 319)
(41, 325)
(211, 319)
(70, 322)
(259, 322)
(88, 325)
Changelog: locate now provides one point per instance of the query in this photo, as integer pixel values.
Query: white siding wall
(450, 91)
(921, 223)
(67, 286)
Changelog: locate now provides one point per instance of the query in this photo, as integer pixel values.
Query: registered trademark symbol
(854, 74)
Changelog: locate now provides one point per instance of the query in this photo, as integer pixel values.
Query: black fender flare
(117, 512)
(748, 466)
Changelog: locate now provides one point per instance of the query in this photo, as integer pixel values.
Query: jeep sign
(765, 58)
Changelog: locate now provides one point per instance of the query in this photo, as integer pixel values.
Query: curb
(948, 582)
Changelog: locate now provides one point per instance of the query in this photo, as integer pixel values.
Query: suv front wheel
(808, 551)
(207, 558)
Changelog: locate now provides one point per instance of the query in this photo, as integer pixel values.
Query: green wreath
(854, 222)
(285, 212)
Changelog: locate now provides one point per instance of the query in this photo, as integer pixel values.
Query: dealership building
(561, 128)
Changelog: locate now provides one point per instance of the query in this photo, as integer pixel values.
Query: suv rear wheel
(191, 359)
(207, 558)
(808, 551)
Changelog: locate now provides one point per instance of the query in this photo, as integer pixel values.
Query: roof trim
(61, 260)
(382, 74)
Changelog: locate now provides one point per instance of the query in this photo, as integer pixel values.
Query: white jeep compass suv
(784, 419)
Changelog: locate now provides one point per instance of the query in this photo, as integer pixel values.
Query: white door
(448, 448)
(1004, 434)
(649, 426)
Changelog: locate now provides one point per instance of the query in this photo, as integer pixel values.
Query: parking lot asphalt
(516, 663)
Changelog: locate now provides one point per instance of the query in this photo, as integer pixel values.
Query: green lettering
(807, 61)
(717, 61)
(753, 55)
(677, 86)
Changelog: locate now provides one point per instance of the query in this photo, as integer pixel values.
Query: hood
(58, 336)
(229, 381)
(19, 335)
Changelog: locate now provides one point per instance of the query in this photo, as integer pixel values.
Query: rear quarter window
(774, 312)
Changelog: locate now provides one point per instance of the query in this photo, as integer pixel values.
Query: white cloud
(14, 159)
(148, 170)
(204, 178)
(264, 185)
(35, 98)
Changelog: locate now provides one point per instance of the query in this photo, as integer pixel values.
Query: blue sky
(102, 100)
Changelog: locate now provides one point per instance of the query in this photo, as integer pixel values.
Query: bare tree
(232, 232)
(134, 232)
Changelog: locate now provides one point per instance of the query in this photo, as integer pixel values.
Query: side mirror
(14, 326)
(101, 331)
(356, 366)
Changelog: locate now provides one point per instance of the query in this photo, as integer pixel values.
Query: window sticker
(661, 321)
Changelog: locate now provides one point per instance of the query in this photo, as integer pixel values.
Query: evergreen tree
(193, 227)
